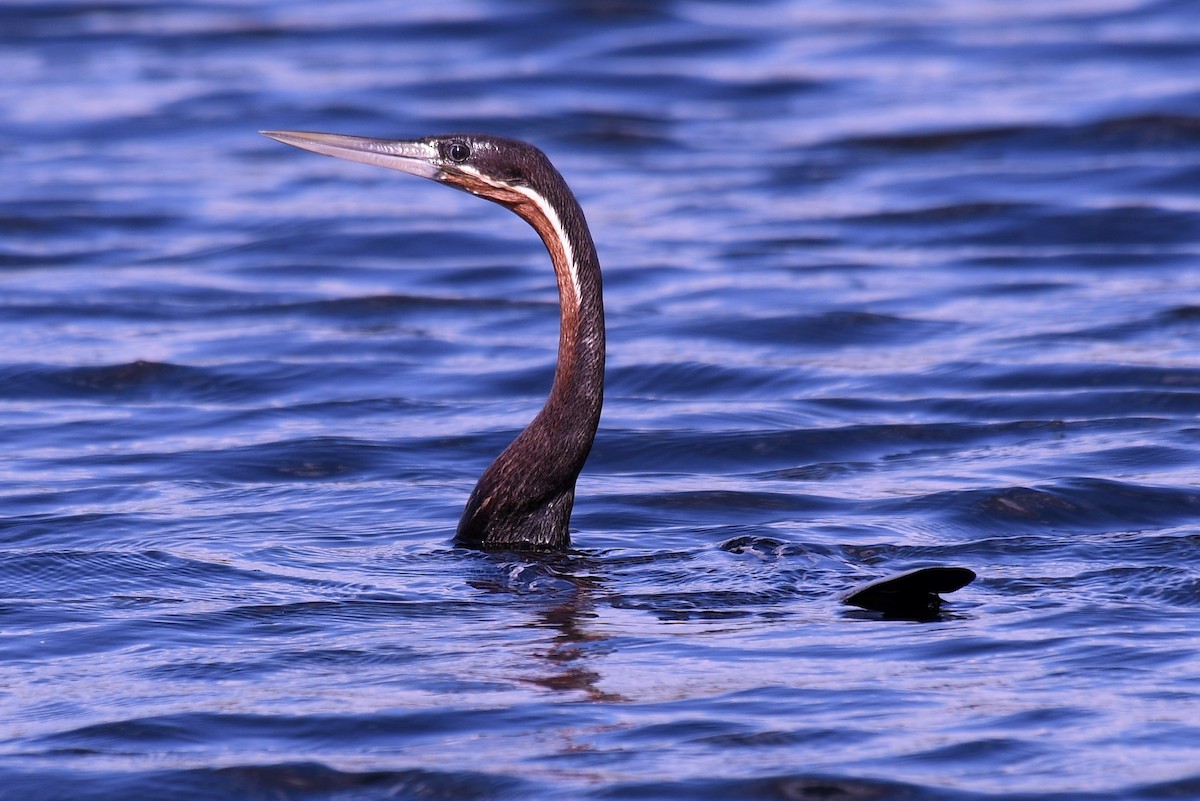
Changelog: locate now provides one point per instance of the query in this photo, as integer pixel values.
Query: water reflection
(570, 584)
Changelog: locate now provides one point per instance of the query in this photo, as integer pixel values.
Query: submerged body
(523, 501)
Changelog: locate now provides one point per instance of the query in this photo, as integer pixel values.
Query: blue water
(888, 285)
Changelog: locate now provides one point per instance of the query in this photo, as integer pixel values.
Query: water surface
(887, 287)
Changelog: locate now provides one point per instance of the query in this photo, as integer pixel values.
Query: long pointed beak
(414, 158)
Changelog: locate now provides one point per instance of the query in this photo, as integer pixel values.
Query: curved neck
(573, 407)
(524, 499)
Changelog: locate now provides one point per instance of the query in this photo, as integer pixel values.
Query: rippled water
(888, 286)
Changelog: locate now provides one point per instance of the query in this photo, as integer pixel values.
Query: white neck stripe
(549, 213)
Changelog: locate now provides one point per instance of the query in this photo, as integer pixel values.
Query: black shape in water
(911, 596)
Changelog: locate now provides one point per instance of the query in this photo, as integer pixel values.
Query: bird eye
(458, 152)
